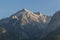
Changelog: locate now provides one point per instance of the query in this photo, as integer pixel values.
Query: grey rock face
(53, 30)
(55, 21)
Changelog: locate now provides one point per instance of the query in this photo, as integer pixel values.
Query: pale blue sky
(9, 7)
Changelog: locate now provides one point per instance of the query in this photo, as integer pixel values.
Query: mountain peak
(20, 12)
(25, 9)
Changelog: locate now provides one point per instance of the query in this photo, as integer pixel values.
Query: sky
(47, 7)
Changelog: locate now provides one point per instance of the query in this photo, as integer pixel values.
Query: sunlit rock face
(15, 17)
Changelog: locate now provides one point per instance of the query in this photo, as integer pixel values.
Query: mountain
(53, 29)
(24, 25)
(29, 16)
